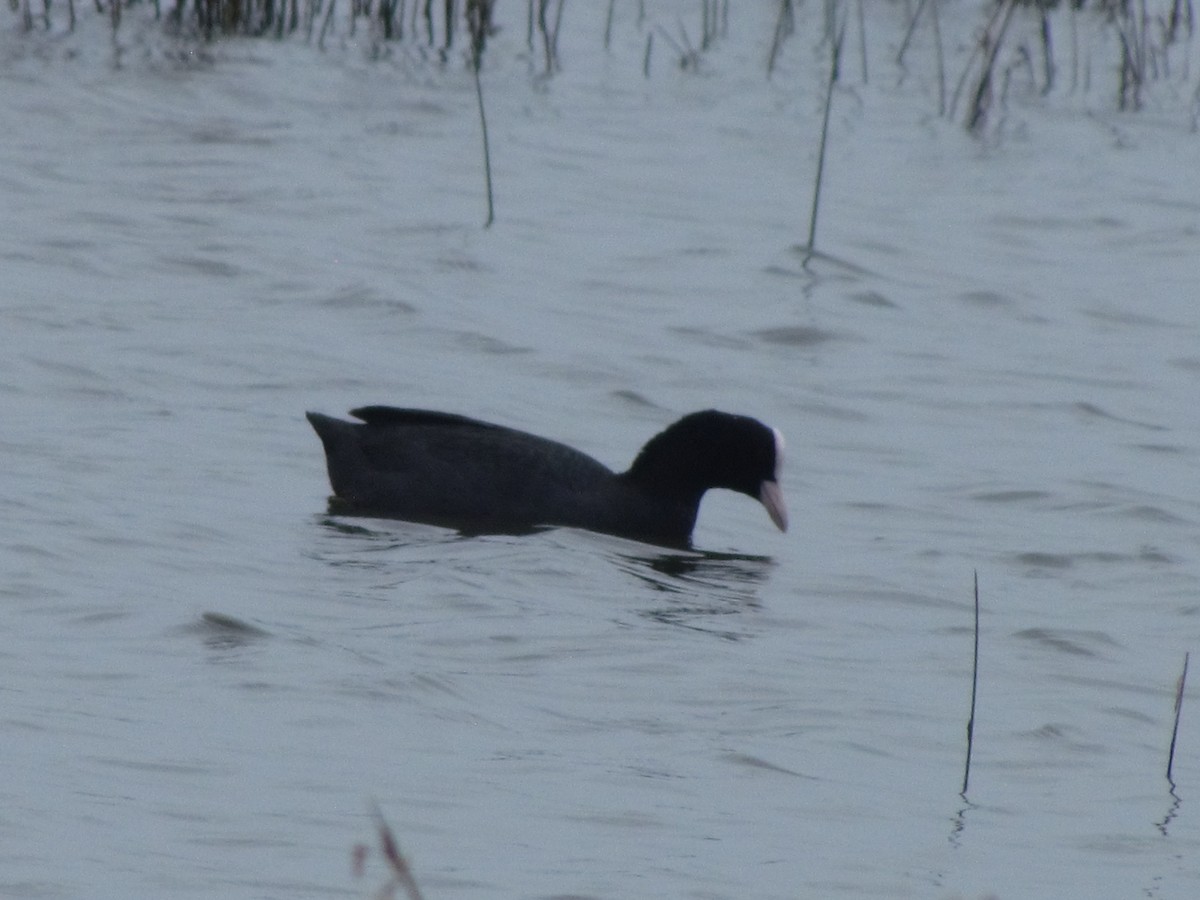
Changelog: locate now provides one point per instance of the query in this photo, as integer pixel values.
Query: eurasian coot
(449, 470)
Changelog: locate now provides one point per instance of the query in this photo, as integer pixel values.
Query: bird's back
(444, 468)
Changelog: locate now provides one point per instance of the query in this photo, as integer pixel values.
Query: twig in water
(1178, 708)
(974, 690)
(834, 63)
(401, 874)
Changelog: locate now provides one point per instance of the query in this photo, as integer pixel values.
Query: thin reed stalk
(983, 88)
(401, 873)
(325, 24)
(941, 58)
(835, 55)
(477, 19)
(1131, 29)
(862, 39)
(1073, 20)
(687, 56)
(980, 47)
(549, 33)
(448, 20)
(714, 22)
(974, 693)
(544, 29)
(1049, 68)
(1179, 689)
(557, 28)
(690, 57)
(909, 32)
(785, 24)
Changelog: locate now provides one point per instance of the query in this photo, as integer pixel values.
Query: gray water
(208, 679)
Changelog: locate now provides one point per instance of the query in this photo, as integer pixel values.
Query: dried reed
(785, 24)
(1146, 33)
(835, 55)
(1179, 688)
(988, 50)
(974, 692)
(478, 17)
(401, 874)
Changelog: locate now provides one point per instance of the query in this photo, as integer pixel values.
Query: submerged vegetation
(1035, 47)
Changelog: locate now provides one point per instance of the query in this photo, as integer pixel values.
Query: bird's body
(450, 470)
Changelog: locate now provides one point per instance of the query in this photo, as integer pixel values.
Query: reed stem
(834, 64)
(1179, 688)
(478, 20)
(974, 692)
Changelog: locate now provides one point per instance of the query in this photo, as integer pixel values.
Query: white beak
(770, 495)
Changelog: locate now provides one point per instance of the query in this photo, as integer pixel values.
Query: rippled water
(207, 678)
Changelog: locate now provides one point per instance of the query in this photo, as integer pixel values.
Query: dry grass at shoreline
(1033, 47)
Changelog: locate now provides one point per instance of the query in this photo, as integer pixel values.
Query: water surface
(207, 677)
